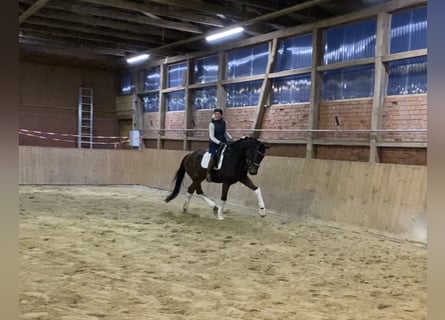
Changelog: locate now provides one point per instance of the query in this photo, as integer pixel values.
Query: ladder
(85, 118)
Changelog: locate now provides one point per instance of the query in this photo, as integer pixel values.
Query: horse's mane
(243, 140)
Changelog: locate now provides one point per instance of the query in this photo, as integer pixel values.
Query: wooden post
(265, 88)
(138, 110)
(316, 83)
(188, 112)
(162, 106)
(220, 91)
(380, 80)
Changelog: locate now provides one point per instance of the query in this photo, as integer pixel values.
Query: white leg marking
(209, 202)
(262, 210)
(221, 210)
(187, 201)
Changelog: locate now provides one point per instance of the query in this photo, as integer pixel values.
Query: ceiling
(104, 32)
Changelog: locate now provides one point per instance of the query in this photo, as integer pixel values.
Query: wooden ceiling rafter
(67, 27)
(120, 15)
(167, 28)
(32, 10)
(152, 33)
(178, 14)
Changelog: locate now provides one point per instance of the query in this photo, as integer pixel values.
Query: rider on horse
(218, 138)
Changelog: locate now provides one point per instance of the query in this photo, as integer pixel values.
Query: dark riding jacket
(219, 133)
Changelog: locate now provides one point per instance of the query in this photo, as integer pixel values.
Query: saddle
(206, 158)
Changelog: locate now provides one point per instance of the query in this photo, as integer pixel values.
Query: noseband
(252, 163)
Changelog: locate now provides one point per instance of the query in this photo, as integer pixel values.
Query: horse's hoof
(262, 212)
(220, 217)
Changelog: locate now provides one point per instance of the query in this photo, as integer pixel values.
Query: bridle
(251, 163)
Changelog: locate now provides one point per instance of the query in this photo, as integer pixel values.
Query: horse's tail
(178, 177)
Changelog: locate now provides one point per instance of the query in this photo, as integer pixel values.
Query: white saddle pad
(206, 158)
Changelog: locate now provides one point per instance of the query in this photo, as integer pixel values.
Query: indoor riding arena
(114, 94)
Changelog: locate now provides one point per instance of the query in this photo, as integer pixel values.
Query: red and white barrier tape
(35, 133)
(69, 135)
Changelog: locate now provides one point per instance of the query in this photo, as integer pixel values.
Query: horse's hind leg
(189, 194)
(187, 201)
(206, 199)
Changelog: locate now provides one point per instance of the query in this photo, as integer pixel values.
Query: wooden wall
(386, 197)
(49, 102)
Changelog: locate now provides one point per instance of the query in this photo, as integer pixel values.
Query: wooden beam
(201, 6)
(188, 112)
(380, 80)
(339, 6)
(73, 56)
(243, 79)
(150, 33)
(285, 11)
(60, 25)
(203, 85)
(265, 88)
(257, 5)
(82, 38)
(345, 64)
(70, 47)
(316, 84)
(162, 105)
(405, 55)
(31, 10)
(159, 11)
(286, 73)
(407, 144)
(220, 90)
(144, 20)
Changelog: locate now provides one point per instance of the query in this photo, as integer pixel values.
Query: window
(175, 100)
(205, 98)
(350, 42)
(408, 30)
(150, 102)
(291, 89)
(349, 83)
(177, 75)
(243, 94)
(247, 62)
(126, 84)
(152, 79)
(407, 76)
(206, 70)
(294, 53)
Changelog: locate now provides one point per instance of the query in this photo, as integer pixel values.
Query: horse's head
(254, 155)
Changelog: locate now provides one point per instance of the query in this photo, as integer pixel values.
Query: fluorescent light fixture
(224, 34)
(138, 58)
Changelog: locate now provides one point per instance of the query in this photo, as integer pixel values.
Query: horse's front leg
(225, 190)
(249, 184)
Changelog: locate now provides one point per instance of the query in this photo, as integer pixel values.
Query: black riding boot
(210, 168)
